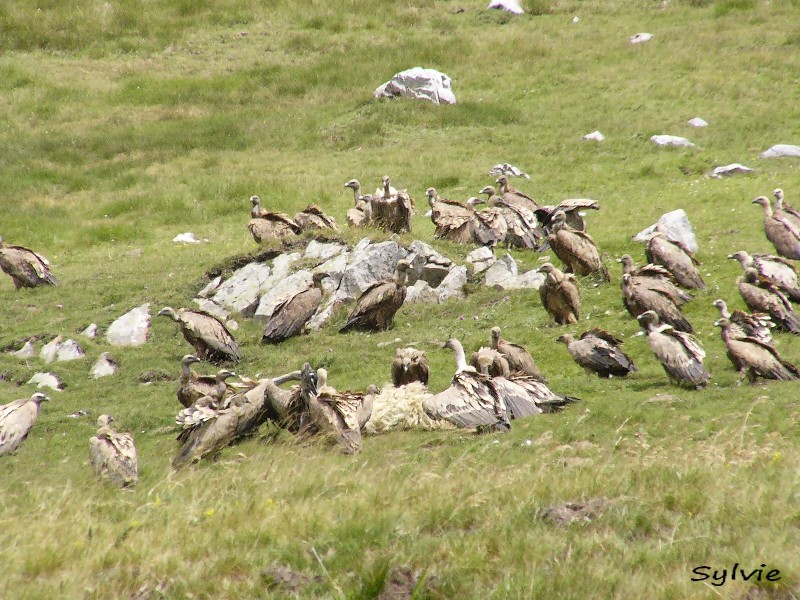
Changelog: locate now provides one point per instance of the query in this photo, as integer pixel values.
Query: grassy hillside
(126, 123)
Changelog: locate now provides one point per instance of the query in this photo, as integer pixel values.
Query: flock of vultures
(500, 382)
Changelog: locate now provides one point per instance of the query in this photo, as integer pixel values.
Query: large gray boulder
(481, 259)
(290, 284)
(322, 250)
(420, 84)
(131, 328)
(501, 272)
(453, 284)
(241, 290)
(677, 227)
(421, 291)
(369, 263)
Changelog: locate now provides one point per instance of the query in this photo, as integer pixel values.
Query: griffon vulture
(206, 333)
(392, 211)
(780, 230)
(576, 249)
(676, 258)
(571, 208)
(761, 295)
(742, 324)
(777, 270)
(25, 267)
(794, 215)
(193, 386)
(361, 214)
(560, 295)
(293, 311)
(376, 307)
(409, 365)
(453, 220)
(312, 217)
(514, 196)
(16, 420)
(678, 352)
(113, 454)
(518, 358)
(754, 358)
(639, 298)
(265, 225)
(489, 226)
(521, 224)
(599, 352)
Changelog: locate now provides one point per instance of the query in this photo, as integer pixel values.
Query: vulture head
(189, 359)
(317, 279)
(39, 397)
(627, 263)
(648, 319)
(567, 338)
(722, 307)
(765, 203)
(473, 202)
(502, 181)
(400, 270)
(778, 193)
(322, 382)
(224, 374)
(558, 220)
(627, 280)
(408, 358)
(546, 268)
(723, 323)
(104, 420)
(168, 311)
(432, 194)
(488, 190)
(372, 390)
(353, 184)
(743, 257)
(484, 360)
(385, 182)
(255, 200)
(494, 337)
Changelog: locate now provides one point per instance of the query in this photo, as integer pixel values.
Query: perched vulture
(779, 271)
(522, 227)
(655, 278)
(361, 214)
(676, 258)
(678, 352)
(793, 214)
(376, 307)
(518, 358)
(572, 208)
(392, 211)
(560, 295)
(599, 352)
(386, 190)
(25, 267)
(514, 196)
(754, 358)
(761, 295)
(266, 225)
(780, 230)
(490, 362)
(209, 336)
(489, 226)
(313, 218)
(409, 365)
(453, 220)
(293, 311)
(193, 386)
(744, 325)
(113, 454)
(16, 420)
(639, 298)
(576, 249)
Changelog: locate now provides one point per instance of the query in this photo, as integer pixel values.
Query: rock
(511, 6)
(531, 280)
(508, 170)
(46, 380)
(698, 122)
(671, 140)
(421, 292)
(501, 271)
(211, 308)
(231, 325)
(420, 84)
(335, 268)
(594, 136)
(281, 264)
(210, 287)
(27, 350)
(242, 289)
(323, 314)
(481, 259)
(78, 414)
(453, 284)
(69, 350)
(322, 251)
(429, 252)
(434, 274)
(639, 38)
(293, 283)
(104, 366)
(781, 150)
(131, 328)
(50, 349)
(576, 19)
(369, 263)
(414, 272)
(186, 238)
(677, 227)
(90, 332)
(728, 170)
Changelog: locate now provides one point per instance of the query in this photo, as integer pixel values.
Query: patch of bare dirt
(571, 512)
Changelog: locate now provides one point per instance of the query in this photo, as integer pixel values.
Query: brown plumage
(676, 258)
(193, 386)
(780, 230)
(576, 249)
(361, 214)
(453, 220)
(777, 270)
(293, 311)
(16, 420)
(678, 352)
(761, 295)
(522, 227)
(599, 352)
(754, 358)
(742, 324)
(639, 298)
(490, 362)
(793, 214)
(265, 225)
(376, 307)
(312, 217)
(571, 208)
(519, 359)
(392, 212)
(113, 454)
(655, 278)
(489, 226)
(409, 365)
(206, 333)
(560, 295)
(25, 267)
(514, 196)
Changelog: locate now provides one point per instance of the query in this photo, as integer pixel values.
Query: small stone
(210, 287)
(77, 415)
(698, 122)
(728, 170)
(90, 332)
(594, 136)
(511, 6)
(507, 169)
(46, 380)
(671, 140)
(27, 350)
(575, 19)
(50, 349)
(453, 284)
(69, 350)
(781, 150)
(185, 238)
(639, 38)
(104, 366)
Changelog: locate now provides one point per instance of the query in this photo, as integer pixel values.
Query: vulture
(327, 411)
(676, 258)
(113, 454)
(361, 214)
(639, 298)
(560, 295)
(754, 358)
(489, 226)
(293, 311)
(193, 386)
(16, 420)
(654, 277)
(265, 225)
(576, 249)
(793, 214)
(409, 365)
(780, 230)
(761, 295)
(513, 196)
(490, 362)
(377, 305)
(599, 352)
(209, 336)
(571, 208)
(392, 210)
(25, 267)
(519, 360)
(453, 220)
(522, 228)
(742, 324)
(678, 352)
(313, 218)
(386, 190)
(779, 271)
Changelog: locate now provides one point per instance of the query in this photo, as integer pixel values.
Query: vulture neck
(767, 209)
(461, 360)
(723, 311)
(186, 373)
(356, 193)
(400, 278)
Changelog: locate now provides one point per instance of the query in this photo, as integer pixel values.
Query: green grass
(127, 123)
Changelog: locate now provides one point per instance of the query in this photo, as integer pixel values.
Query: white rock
(186, 238)
(698, 122)
(420, 84)
(639, 38)
(421, 292)
(511, 6)
(50, 349)
(429, 252)
(212, 308)
(501, 271)
(231, 325)
(210, 287)
(104, 366)
(323, 314)
(575, 19)
(780, 150)
(531, 280)
(671, 140)
(677, 227)
(131, 328)
(453, 284)
(282, 264)
(481, 259)
(728, 170)
(69, 350)
(293, 283)
(90, 332)
(242, 289)
(594, 136)
(335, 268)
(46, 380)
(322, 250)
(368, 264)
(27, 350)
(507, 169)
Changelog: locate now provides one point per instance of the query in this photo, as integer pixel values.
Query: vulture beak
(619, 260)
(731, 256)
